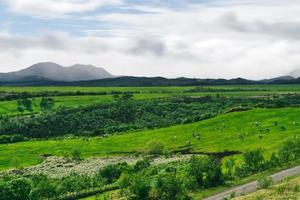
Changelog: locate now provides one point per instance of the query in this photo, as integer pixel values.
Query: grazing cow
(283, 128)
(256, 124)
(275, 123)
(260, 136)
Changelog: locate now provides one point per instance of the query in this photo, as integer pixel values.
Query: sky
(253, 39)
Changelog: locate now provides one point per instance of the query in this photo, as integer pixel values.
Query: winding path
(252, 186)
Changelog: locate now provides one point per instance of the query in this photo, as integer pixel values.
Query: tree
(205, 171)
(24, 104)
(168, 187)
(19, 189)
(113, 172)
(47, 103)
(140, 188)
(254, 160)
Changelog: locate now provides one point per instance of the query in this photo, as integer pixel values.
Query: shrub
(5, 139)
(113, 172)
(19, 189)
(140, 188)
(76, 154)
(205, 171)
(154, 148)
(141, 164)
(290, 150)
(254, 161)
(265, 182)
(46, 103)
(168, 186)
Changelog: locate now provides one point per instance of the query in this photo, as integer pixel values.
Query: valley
(167, 125)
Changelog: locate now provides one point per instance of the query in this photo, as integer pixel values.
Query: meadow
(232, 132)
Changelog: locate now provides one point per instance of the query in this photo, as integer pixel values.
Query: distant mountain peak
(56, 72)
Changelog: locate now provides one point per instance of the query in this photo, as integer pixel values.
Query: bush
(76, 155)
(290, 150)
(168, 186)
(254, 161)
(205, 171)
(265, 182)
(140, 188)
(154, 148)
(6, 139)
(18, 189)
(141, 164)
(47, 103)
(113, 172)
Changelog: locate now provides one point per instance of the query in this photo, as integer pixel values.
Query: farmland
(83, 123)
(73, 100)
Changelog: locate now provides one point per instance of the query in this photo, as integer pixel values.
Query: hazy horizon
(176, 38)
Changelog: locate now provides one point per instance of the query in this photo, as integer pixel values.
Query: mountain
(279, 79)
(295, 73)
(49, 71)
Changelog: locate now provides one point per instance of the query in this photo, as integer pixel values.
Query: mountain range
(49, 73)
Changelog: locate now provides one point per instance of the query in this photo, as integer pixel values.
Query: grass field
(217, 134)
(10, 107)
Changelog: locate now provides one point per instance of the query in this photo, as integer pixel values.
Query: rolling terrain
(216, 135)
(122, 123)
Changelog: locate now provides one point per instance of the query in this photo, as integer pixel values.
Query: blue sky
(172, 38)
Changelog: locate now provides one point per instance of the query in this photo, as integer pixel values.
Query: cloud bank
(218, 38)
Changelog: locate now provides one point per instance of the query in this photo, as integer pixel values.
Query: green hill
(240, 131)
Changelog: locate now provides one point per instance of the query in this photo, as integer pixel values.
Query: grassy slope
(288, 189)
(218, 134)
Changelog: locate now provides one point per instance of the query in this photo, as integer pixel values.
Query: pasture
(240, 131)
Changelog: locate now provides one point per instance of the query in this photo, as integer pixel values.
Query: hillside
(216, 135)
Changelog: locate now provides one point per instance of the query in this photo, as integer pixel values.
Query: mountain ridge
(55, 72)
(49, 73)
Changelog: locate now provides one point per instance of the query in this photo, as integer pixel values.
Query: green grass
(217, 134)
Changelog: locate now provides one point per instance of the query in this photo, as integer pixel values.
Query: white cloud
(56, 8)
